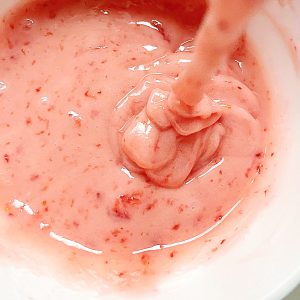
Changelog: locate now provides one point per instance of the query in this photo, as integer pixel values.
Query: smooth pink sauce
(66, 70)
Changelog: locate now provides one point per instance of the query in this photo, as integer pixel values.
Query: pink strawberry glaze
(66, 69)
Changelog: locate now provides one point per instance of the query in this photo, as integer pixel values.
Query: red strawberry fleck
(124, 203)
(145, 259)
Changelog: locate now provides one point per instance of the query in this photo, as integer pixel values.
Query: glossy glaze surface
(66, 70)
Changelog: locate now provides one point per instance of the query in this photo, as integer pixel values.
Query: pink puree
(66, 70)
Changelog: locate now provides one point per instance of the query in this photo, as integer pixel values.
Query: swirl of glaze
(168, 141)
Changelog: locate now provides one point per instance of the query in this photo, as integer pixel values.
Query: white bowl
(264, 262)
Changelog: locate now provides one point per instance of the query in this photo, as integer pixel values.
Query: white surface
(265, 262)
